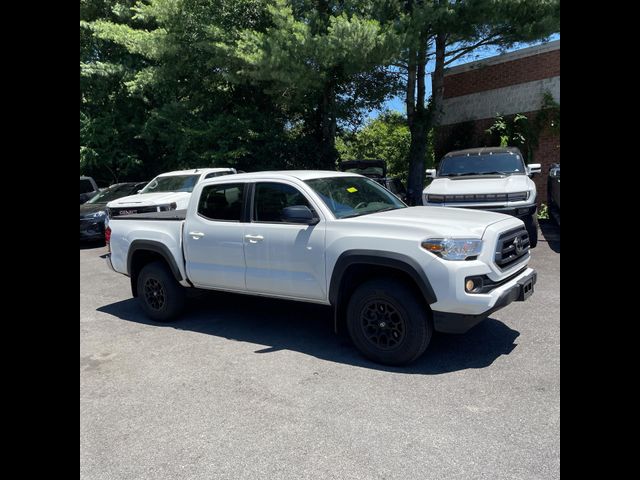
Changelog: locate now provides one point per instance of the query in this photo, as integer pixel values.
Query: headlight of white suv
(98, 214)
(453, 248)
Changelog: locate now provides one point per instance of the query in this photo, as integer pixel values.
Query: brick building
(507, 84)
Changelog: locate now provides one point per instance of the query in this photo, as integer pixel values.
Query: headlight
(435, 198)
(518, 196)
(165, 208)
(98, 214)
(453, 248)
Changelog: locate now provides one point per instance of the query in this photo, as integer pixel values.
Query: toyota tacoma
(393, 274)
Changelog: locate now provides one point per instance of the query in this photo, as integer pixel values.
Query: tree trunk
(417, 118)
(327, 127)
(437, 80)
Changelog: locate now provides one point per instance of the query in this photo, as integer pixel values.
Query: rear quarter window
(222, 202)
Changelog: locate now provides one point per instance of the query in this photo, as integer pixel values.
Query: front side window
(271, 198)
(501, 163)
(172, 183)
(222, 202)
(354, 196)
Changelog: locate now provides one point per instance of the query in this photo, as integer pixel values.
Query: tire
(162, 298)
(531, 224)
(381, 300)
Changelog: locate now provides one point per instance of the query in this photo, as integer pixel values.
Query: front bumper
(518, 290)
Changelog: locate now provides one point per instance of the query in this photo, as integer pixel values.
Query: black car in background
(375, 170)
(88, 188)
(94, 212)
(553, 192)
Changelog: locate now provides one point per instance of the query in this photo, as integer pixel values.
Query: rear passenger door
(214, 238)
(283, 258)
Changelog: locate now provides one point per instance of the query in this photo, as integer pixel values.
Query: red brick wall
(548, 150)
(527, 69)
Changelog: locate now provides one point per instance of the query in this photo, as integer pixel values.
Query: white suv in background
(168, 191)
(488, 178)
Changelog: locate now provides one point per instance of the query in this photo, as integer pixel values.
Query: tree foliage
(386, 138)
(263, 84)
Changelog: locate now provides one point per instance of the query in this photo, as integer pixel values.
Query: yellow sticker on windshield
(352, 189)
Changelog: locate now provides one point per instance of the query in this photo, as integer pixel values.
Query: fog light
(469, 285)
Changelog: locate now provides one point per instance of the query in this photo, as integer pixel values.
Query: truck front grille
(512, 246)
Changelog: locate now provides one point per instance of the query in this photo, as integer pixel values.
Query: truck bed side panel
(125, 230)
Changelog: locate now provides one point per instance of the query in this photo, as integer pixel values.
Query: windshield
(111, 193)
(354, 196)
(501, 163)
(173, 183)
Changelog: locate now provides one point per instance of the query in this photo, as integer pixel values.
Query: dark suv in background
(94, 212)
(88, 188)
(376, 170)
(553, 192)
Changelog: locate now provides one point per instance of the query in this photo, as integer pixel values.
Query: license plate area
(526, 290)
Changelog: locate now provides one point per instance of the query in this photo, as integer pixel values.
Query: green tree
(323, 63)
(386, 138)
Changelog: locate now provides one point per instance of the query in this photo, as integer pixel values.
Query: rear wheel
(161, 296)
(388, 322)
(531, 224)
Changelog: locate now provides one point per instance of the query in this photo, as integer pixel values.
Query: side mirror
(431, 172)
(533, 168)
(299, 214)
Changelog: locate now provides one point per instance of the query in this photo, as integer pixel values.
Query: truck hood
(486, 184)
(148, 199)
(441, 221)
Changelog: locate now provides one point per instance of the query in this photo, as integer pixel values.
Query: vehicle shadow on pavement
(308, 328)
(551, 234)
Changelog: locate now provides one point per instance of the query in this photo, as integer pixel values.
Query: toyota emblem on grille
(518, 243)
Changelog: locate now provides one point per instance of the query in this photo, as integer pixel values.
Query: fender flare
(395, 260)
(156, 247)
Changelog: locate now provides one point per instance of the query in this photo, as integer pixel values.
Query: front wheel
(388, 322)
(161, 296)
(531, 224)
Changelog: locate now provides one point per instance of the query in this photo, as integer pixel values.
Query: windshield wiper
(351, 215)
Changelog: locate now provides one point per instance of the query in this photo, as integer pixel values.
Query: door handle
(196, 235)
(254, 238)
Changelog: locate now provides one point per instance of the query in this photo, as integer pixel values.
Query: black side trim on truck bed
(170, 215)
(379, 258)
(157, 247)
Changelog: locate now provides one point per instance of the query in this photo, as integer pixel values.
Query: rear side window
(222, 202)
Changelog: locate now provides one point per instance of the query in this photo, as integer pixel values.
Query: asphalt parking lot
(249, 388)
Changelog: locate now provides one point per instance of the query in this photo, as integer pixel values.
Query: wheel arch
(143, 252)
(355, 266)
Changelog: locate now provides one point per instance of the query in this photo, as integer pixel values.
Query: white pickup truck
(392, 273)
(168, 191)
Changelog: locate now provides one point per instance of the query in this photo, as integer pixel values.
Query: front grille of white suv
(512, 246)
(477, 197)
